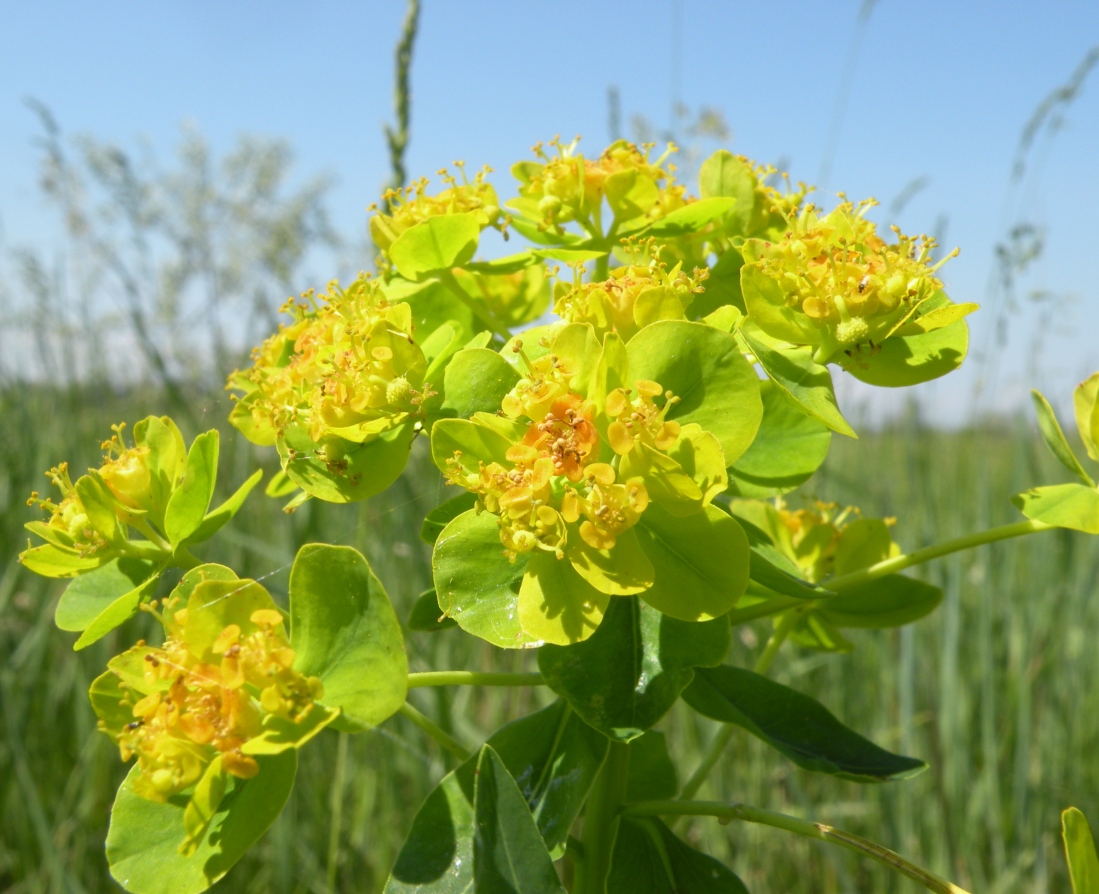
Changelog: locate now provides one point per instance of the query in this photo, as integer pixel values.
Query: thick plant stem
(441, 736)
(820, 831)
(601, 820)
(472, 678)
(899, 563)
(725, 734)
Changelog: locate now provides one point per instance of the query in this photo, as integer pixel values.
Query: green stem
(442, 737)
(809, 829)
(602, 269)
(724, 735)
(772, 606)
(907, 560)
(145, 528)
(336, 804)
(607, 795)
(479, 311)
(472, 678)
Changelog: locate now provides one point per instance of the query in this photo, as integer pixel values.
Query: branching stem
(808, 828)
(439, 735)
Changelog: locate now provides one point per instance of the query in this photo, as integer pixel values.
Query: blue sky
(940, 90)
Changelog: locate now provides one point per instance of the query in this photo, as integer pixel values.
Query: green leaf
(862, 543)
(477, 586)
(214, 602)
(87, 596)
(188, 504)
(652, 775)
(723, 174)
(534, 232)
(692, 218)
(554, 757)
(623, 570)
(631, 671)
(568, 255)
(201, 809)
(476, 380)
(360, 472)
(703, 367)
(800, 378)
(166, 459)
(476, 444)
(116, 614)
(1083, 863)
(556, 604)
(795, 724)
(578, 346)
(426, 615)
(443, 514)
(52, 561)
(890, 601)
(503, 266)
(776, 572)
(700, 561)
(144, 838)
(648, 858)
(789, 447)
(508, 852)
(1064, 505)
(1085, 403)
(436, 244)
(99, 504)
(551, 754)
(218, 518)
(1055, 438)
(909, 360)
(765, 302)
(814, 631)
(109, 702)
(282, 734)
(344, 630)
(280, 485)
(722, 293)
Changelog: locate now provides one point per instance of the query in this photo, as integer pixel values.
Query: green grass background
(998, 691)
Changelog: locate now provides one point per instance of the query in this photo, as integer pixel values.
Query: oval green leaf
(477, 586)
(435, 244)
(703, 367)
(796, 725)
(509, 854)
(700, 562)
(144, 838)
(1064, 505)
(343, 629)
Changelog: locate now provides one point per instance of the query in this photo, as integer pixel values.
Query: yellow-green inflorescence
(837, 284)
(347, 367)
(563, 186)
(632, 296)
(413, 205)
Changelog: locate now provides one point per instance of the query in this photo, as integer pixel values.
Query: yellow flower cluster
(554, 476)
(632, 297)
(564, 186)
(637, 419)
(412, 205)
(346, 366)
(844, 279)
(199, 704)
(87, 525)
